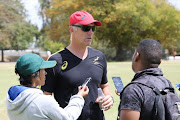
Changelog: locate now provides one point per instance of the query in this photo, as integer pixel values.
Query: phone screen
(118, 83)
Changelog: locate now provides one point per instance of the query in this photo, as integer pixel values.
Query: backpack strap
(167, 89)
(148, 84)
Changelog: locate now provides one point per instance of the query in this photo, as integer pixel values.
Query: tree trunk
(2, 55)
(124, 54)
(120, 54)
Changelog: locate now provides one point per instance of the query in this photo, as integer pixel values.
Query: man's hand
(117, 92)
(107, 102)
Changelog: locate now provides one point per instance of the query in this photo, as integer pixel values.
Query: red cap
(83, 18)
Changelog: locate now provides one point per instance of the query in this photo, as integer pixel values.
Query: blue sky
(32, 7)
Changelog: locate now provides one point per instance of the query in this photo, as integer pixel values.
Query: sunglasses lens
(87, 28)
(93, 28)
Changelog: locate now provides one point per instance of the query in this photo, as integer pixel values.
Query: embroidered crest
(95, 61)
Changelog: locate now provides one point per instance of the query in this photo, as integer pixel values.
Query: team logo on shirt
(95, 61)
(64, 65)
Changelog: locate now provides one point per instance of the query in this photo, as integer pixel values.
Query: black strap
(147, 84)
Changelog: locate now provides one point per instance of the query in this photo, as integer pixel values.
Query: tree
(16, 33)
(124, 22)
(132, 21)
(57, 15)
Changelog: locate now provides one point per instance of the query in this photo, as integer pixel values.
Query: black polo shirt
(70, 72)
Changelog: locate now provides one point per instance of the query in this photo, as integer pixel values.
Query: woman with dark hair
(26, 102)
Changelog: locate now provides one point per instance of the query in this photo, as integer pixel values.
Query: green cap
(30, 63)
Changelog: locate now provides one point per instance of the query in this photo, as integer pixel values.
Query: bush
(12, 58)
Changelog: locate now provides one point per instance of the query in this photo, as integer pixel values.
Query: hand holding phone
(118, 83)
(83, 91)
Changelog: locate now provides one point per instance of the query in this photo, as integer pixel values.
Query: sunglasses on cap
(86, 28)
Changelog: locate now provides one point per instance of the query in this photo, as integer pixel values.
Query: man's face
(83, 38)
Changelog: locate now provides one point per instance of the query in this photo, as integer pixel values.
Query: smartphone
(86, 82)
(118, 84)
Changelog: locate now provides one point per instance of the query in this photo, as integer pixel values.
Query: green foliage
(21, 35)
(110, 52)
(124, 22)
(53, 46)
(47, 44)
(16, 33)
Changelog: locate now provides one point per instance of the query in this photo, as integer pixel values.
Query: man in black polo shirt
(75, 64)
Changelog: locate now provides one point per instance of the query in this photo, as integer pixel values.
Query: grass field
(8, 78)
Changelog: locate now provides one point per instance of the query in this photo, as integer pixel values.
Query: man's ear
(71, 29)
(160, 62)
(137, 56)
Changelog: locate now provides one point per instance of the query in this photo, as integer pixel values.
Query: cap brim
(97, 23)
(48, 64)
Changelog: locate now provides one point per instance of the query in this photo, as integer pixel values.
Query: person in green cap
(26, 102)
